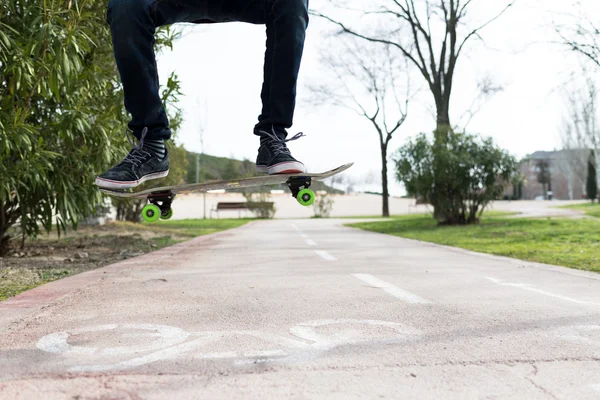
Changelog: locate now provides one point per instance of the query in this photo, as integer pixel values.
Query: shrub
(459, 178)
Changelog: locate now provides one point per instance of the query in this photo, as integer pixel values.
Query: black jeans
(133, 24)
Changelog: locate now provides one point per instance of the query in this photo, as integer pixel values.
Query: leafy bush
(61, 112)
(459, 178)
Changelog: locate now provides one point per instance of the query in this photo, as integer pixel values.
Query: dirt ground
(50, 258)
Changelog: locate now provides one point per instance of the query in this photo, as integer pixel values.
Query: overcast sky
(220, 67)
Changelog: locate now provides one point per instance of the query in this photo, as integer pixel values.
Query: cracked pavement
(306, 309)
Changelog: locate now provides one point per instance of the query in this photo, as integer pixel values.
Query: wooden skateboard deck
(161, 197)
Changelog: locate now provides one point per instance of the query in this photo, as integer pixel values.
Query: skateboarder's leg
(286, 23)
(133, 24)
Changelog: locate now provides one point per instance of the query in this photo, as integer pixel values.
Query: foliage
(323, 205)
(259, 204)
(461, 176)
(217, 168)
(592, 179)
(60, 103)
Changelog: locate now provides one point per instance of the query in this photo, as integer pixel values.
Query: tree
(61, 112)
(544, 177)
(231, 170)
(475, 171)
(432, 35)
(365, 79)
(581, 34)
(592, 179)
(579, 131)
(407, 28)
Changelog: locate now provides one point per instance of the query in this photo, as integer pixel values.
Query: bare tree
(366, 80)
(581, 34)
(432, 34)
(580, 132)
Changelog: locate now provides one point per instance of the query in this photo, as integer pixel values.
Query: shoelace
(137, 154)
(277, 145)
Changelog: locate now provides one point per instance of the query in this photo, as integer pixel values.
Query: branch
(422, 68)
(476, 31)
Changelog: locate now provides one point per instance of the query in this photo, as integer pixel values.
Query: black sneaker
(274, 157)
(138, 166)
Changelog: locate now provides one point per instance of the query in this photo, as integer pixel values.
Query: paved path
(306, 309)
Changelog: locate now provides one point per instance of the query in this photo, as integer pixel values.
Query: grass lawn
(571, 243)
(593, 210)
(401, 216)
(50, 258)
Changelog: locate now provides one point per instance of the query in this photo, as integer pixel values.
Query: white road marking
(325, 255)
(309, 332)
(310, 242)
(391, 289)
(164, 336)
(160, 355)
(312, 338)
(526, 286)
(296, 228)
(304, 236)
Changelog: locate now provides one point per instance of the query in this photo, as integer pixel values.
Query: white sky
(220, 67)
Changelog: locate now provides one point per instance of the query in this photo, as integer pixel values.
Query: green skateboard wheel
(167, 215)
(150, 213)
(306, 197)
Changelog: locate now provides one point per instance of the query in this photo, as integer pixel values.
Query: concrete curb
(26, 303)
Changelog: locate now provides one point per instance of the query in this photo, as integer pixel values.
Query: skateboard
(161, 198)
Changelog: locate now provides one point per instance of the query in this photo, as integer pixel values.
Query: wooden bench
(229, 206)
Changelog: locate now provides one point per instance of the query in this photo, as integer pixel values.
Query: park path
(306, 309)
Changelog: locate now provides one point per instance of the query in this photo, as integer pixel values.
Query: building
(567, 173)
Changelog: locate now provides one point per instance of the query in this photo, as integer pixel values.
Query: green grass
(14, 288)
(593, 210)
(195, 227)
(404, 216)
(573, 243)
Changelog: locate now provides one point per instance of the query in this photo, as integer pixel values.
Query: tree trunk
(439, 196)
(384, 182)
(443, 128)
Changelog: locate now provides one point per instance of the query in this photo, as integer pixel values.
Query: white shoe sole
(262, 169)
(288, 167)
(110, 184)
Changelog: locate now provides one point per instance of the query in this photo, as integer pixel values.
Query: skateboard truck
(159, 207)
(299, 186)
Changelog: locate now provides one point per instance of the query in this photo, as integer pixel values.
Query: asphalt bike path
(306, 309)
